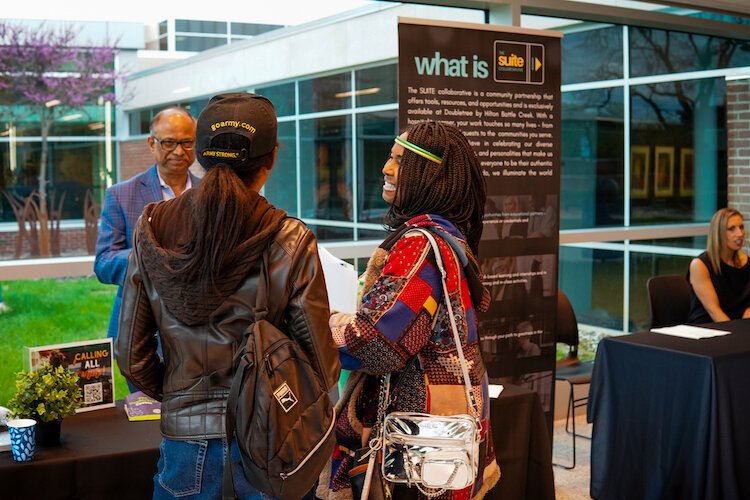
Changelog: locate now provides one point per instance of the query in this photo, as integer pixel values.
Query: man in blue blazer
(172, 143)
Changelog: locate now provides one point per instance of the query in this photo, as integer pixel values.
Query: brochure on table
(91, 360)
(140, 407)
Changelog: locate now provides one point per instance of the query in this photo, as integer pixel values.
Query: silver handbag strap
(456, 338)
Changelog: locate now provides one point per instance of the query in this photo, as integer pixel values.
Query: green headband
(421, 152)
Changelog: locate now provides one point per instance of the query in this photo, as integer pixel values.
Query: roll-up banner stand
(501, 86)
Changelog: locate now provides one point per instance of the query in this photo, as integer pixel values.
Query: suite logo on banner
(519, 62)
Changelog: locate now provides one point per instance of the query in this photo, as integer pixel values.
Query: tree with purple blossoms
(45, 73)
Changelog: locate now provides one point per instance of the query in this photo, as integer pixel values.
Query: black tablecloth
(101, 456)
(522, 446)
(671, 416)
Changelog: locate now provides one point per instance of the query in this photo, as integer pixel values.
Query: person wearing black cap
(195, 279)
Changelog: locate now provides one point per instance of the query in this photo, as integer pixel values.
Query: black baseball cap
(241, 113)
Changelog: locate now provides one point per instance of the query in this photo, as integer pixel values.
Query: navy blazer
(123, 204)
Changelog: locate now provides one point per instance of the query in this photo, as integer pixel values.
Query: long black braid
(454, 189)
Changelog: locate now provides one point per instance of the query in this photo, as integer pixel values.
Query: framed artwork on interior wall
(687, 172)
(663, 171)
(640, 167)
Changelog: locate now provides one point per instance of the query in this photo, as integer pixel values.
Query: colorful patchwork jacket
(402, 314)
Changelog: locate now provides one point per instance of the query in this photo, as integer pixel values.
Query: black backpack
(279, 411)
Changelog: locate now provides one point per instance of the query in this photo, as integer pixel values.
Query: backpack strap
(244, 365)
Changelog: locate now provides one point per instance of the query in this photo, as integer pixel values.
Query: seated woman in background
(720, 276)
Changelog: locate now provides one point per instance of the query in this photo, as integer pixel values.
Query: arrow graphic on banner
(537, 64)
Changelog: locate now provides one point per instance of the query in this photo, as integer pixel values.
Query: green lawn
(51, 311)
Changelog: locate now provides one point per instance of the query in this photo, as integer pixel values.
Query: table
(101, 455)
(522, 446)
(671, 416)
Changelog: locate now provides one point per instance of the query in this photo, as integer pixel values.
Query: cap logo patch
(220, 154)
(233, 124)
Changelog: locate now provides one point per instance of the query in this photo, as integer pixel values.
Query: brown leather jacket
(193, 378)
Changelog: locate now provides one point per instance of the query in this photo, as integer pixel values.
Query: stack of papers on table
(690, 332)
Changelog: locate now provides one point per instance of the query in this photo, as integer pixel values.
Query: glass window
(195, 106)
(282, 97)
(163, 28)
(72, 169)
(593, 281)
(656, 52)
(375, 134)
(163, 43)
(376, 85)
(371, 234)
(138, 122)
(326, 172)
(189, 26)
(87, 121)
(696, 242)
(331, 233)
(23, 118)
(326, 93)
(592, 166)
(642, 267)
(197, 44)
(281, 188)
(678, 151)
(252, 28)
(592, 55)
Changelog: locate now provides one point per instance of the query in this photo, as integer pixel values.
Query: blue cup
(22, 438)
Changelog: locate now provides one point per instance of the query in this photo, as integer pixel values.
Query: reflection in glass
(582, 64)
(592, 167)
(656, 52)
(678, 139)
(375, 134)
(331, 233)
(281, 187)
(371, 234)
(376, 85)
(88, 121)
(642, 267)
(593, 281)
(326, 93)
(282, 97)
(198, 43)
(325, 168)
(192, 26)
(72, 169)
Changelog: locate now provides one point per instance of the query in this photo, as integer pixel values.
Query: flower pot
(48, 433)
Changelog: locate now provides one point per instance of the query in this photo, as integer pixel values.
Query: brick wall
(72, 242)
(738, 146)
(135, 158)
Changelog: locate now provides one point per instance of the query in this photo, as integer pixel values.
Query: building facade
(654, 127)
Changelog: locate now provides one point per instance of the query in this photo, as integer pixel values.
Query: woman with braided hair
(432, 181)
